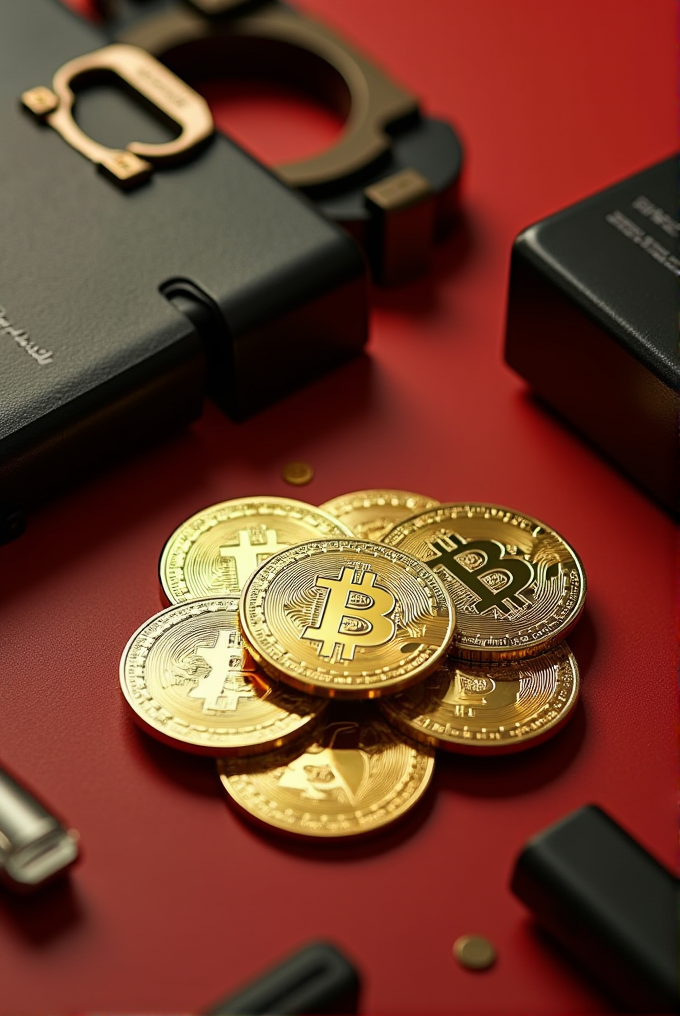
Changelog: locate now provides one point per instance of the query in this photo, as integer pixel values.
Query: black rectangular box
(593, 322)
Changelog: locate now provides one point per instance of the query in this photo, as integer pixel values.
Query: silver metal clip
(34, 846)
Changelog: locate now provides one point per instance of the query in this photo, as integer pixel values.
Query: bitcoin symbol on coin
(354, 614)
(225, 685)
(468, 693)
(255, 545)
(495, 578)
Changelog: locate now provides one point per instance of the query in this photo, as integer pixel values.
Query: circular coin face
(191, 683)
(474, 952)
(489, 709)
(216, 550)
(369, 514)
(346, 618)
(518, 587)
(356, 778)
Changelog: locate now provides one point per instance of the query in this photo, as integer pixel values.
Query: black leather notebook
(120, 308)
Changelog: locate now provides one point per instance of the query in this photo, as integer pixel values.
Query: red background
(176, 901)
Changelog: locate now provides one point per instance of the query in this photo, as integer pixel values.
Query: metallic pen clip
(34, 845)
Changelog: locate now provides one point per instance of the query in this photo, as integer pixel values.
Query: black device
(392, 177)
(593, 324)
(315, 979)
(609, 903)
(181, 267)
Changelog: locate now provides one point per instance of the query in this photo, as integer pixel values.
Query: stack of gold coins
(286, 620)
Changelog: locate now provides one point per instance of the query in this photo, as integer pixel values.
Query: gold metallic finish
(215, 551)
(401, 190)
(518, 587)
(40, 101)
(489, 709)
(191, 683)
(346, 618)
(138, 69)
(372, 513)
(474, 952)
(298, 474)
(358, 777)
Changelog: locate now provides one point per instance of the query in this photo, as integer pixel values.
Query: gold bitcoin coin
(518, 587)
(346, 618)
(371, 513)
(216, 550)
(489, 709)
(356, 778)
(191, 683)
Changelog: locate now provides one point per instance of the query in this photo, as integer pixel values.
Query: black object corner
(315, 979)
(592, 323)
(609, 903)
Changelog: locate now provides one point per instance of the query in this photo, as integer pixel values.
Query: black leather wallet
(135, 278)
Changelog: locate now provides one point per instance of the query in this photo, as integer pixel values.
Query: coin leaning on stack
(287, 619)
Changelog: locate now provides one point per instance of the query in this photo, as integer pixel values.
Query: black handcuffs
(391, 179)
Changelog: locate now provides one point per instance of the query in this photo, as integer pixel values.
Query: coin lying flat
(518, 587)
(298, 473)
(215, 551)
(474, 952)
(369, 514)
(489, 709)
(191, 683)
(357, 777)
(346, 618)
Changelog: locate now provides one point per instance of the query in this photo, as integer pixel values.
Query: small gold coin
(191, 683)
(518, 587)
(298, 474)
(489, 709)
(216, 550)
(474, 952)
(371, 513)
(357, 777)
(346, 618)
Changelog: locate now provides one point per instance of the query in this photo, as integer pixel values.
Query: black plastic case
(116, 305)
(593, 322)
(315, 979)
(609, 903)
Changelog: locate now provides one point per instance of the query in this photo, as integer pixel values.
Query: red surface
(176, 900)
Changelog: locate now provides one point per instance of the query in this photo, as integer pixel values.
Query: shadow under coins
(516, 772)
(583, 643)
(43, 915)
(347, 849)
(522, 771)
(194, 773)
